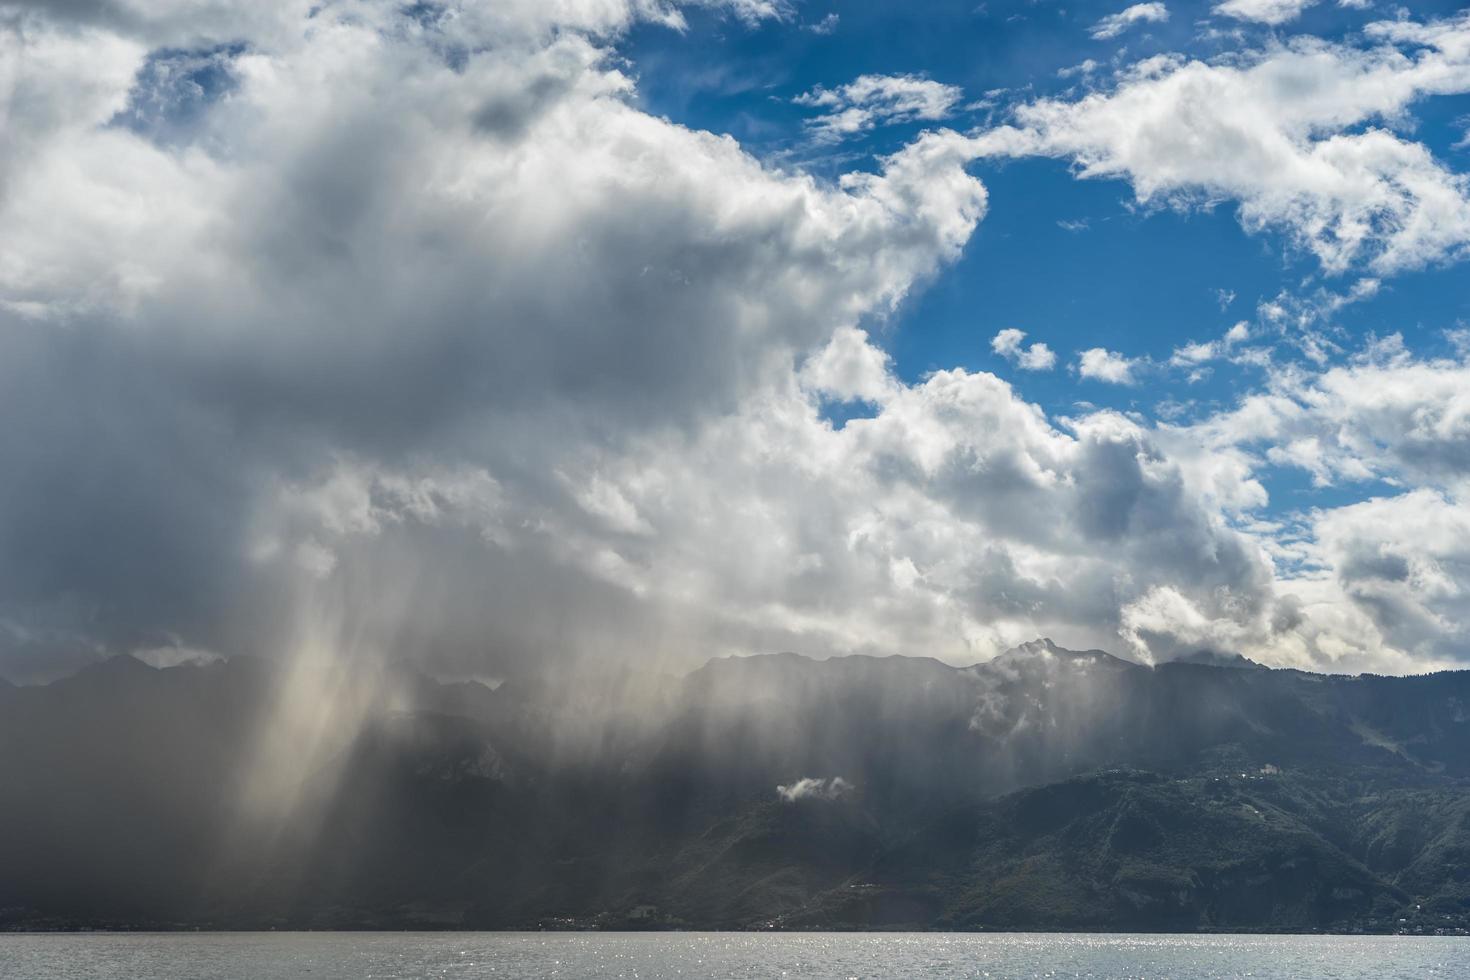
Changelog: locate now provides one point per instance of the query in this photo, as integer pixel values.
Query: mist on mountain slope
(770, 789)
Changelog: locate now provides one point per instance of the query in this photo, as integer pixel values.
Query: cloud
(1390, 417)
(827, 25)
(1400, 561)
(872, 100)
(187, 24)
(1272, 12)
(1108, 366)
(1037, 357)
(1163, 624)
(1191, 355)
(388, 308)
(1084, 68)
(420, 328)
(1300, 134)
(754, 11)
(1140, 13)
(811, 788)
(1379, 581)
(850, 369)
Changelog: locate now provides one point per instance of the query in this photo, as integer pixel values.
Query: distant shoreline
(428, 930)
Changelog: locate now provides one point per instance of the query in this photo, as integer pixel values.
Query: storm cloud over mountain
(413, 331)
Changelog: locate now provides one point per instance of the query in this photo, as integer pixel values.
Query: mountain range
(1048, 789)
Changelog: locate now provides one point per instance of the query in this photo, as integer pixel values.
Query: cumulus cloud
(417, 318)
(1379, 582)
(1162, 624)
(1099, 364)
(1272, 12)
(1036, 357)
(1400, 561)
(1140, 13)
(398, 280)
(1385, 416)
(873, 100)
(849, 368)
(1300, 134)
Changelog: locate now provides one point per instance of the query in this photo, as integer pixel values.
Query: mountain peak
(1045, 646)
(1212, 658)
(1042, 644)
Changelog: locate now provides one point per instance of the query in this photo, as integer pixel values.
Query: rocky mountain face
(1047, 789)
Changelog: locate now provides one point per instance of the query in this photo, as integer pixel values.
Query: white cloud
(849, 369)
(753, 11)
(1272, 12)
(1377, 584)
(1140, 13)
(1193, 354)
(1401, 561)
(1098, 364)
(376, 267)
(872, 100)
(1037, 357)
(511, 371)
(1162, 623)
(811, 788)
(1083, 69)
(1385, 417)
(827, 25)
(1297, 134)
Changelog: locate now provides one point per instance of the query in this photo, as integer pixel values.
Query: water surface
(399, 956)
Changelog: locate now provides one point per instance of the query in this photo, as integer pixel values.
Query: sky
(505, 337)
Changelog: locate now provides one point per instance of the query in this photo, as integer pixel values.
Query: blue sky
(1075, 263)
(1137, 280)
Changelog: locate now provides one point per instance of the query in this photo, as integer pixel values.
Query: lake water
(398, 956)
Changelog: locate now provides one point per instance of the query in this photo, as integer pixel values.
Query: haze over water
(400, 956)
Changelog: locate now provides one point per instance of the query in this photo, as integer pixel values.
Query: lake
(397, 956)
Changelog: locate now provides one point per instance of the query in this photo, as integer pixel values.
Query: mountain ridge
(1048, 789)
